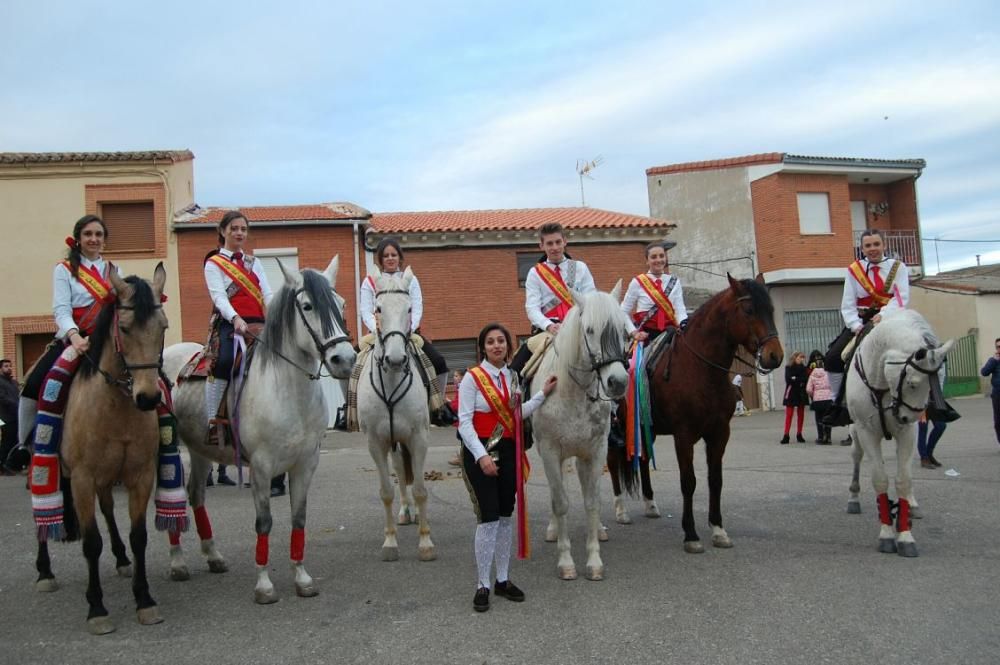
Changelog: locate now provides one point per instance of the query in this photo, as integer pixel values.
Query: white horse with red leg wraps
(887, 389)
(283, 416)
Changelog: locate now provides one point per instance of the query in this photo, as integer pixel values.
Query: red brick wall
(902, 198)
(316, 246)
(780, 244)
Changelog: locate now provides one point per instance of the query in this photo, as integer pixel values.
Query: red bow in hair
(163, 297)
(71, 242)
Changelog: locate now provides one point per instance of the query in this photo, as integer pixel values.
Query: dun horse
(111, 434)
(887, 388)
(692, 398)
(282, 416)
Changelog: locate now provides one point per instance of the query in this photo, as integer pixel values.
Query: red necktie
(238, 259)
(558, 271)
(661, 316)
(877, 280)
(503, 387)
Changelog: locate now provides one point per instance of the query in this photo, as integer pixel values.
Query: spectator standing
(9, 393)
(992, 370)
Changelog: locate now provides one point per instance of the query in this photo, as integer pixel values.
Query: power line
(956, 240)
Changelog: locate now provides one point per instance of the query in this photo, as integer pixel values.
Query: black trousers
(492, 496)
(832, 361)
(440, 365)
(33, 384)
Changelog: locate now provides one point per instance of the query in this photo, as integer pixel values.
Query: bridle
(396, 395)
(897, 402)
(758, 342)
(596, 365)
(124, 381)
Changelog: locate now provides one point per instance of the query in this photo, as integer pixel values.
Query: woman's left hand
(549, 386)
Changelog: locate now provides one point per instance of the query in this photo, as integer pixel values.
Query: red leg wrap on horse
(903, 520)
(202, 523)
(174, 537)
(262, 549)
(298, 544)
(883, 509)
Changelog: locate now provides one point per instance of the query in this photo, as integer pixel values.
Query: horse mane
(600, 307)
(282, 313)
(759, 298)
(905, 330)
(145, 306)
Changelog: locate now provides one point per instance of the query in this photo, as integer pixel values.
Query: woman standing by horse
(484, 398)
(796, 397)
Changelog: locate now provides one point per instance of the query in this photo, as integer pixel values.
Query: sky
(468, 105)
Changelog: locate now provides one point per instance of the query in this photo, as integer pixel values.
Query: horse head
(137, 326)
(307, 314)
(752, 326)
(393, 314)
(909, 377)
(600, 337)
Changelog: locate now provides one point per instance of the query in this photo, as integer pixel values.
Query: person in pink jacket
(820, 395)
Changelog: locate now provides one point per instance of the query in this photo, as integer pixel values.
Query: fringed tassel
(643, 406)
(171, 497)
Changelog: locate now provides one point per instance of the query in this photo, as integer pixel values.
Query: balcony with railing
(902, 245)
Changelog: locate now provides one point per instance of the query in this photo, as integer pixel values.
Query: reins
(125, 380)
(391, 399)
(596, 365)
(877, 394)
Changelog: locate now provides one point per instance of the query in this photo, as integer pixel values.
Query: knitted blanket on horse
(46, 496)
(427, 373)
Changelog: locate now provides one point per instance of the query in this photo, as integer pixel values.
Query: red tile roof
(73, 157)
(507, 220)
(291, 213)
(732, 162)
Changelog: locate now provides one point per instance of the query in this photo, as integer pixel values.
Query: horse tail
(407, 463)
(623, 471)
(71, 524)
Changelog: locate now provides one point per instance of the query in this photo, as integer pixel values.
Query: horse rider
(655, 299)
(874, 284)
(240, 294)
(389, 257)
(80, 289)
(549, 286)
(485, 419)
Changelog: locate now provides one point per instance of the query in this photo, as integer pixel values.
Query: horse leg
(263, 593)
(299, 479)
(616, 466)
(200, 469)
(405, 515)
(390, 548)
(590, 477)
(46, 581)
(652, 510)
(552, 530)
(98, 621)
(560, 506)
(107, 503)
(684, 447)
(905, 544)
(715, 449)
(857, 454)
(139, 489)
(418, 452)
(880, 482)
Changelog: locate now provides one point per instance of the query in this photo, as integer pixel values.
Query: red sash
(665, 315)
(248, 301)
(99, 289)
(875, 297)
(555, 282)
(500, 411)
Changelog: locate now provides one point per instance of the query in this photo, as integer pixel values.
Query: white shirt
(68, 292)
(853, 291)
(218, 282)
(368, 302)
(538, 296)
(738, 381)
(471, 399)
(637, 299)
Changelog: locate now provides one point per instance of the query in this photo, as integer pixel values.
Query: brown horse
(692, 398)
(111, 434)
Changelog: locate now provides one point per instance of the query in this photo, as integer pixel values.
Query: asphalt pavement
(803, 584)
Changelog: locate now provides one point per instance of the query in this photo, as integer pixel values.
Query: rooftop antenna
(583, 168)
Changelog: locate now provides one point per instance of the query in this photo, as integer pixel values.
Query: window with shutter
(130, 226)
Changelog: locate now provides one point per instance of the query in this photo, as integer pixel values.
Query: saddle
(538, 344)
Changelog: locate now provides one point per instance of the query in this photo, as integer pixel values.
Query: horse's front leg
(652, 510)
(905, 544)
(418, 451)
(199, 472)
(140, 487)
(715, 449)
(390, 547)
(263, 593)
(857, 454)
(590, 476)
(98, 621)
(552, 529)
(872, 444)
(560, 506)
(405, 515)
(299, 479)
(684, 447)
(107, 502)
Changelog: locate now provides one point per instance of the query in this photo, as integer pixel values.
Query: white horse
(282, 416)
(393, 413)
(588, 357)
(887, 388)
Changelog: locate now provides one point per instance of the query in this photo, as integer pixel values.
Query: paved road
(804, 583)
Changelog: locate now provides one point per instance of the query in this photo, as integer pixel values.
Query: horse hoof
(694, 547)
(47, 585)
(404, 518)
(916, 513)
(306, 591)
(595, 573)
(390, 554)
(426, 554)
(180, 574)
(217, 566)
(602, 534)
(124, 571)
(853, 507)
(265, 597)
(149, 616)
(907, 549)
(722, 541)
(623, 518)
(100, 625)
(567, 572)
(652, 512)
(887, 545)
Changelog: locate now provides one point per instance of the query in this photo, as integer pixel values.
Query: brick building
(794, 218)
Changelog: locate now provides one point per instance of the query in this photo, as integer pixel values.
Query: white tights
(493, 544)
